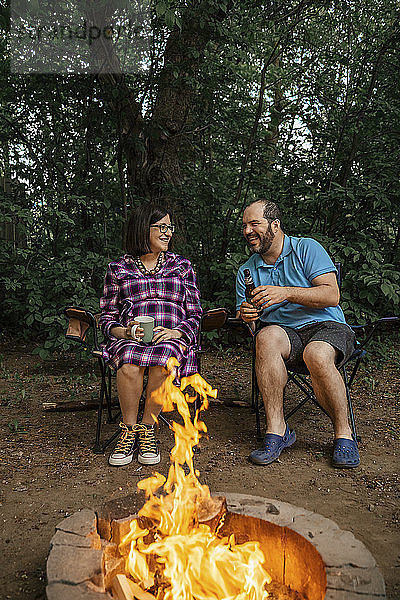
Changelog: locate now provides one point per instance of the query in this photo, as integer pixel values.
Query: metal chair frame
(300, 380)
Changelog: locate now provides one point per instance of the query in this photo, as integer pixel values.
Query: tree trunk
(153, 148)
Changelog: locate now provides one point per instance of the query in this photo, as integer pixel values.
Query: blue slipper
(273, 446)
(345, 454)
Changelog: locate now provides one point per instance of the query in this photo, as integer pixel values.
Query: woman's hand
(125, 333)
(161, 334)
(139, 332)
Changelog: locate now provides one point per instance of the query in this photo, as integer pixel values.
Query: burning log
(212, 511)
(113, 563)
(126, 589)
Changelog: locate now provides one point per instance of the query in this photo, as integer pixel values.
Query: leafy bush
(36, 288)
(371, 286)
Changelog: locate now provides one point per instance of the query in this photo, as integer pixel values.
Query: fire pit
(303, 550)
(184, 543)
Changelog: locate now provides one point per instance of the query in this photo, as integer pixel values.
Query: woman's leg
(157, 376)
(130, 387)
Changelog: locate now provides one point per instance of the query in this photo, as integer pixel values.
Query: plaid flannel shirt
(170, 296)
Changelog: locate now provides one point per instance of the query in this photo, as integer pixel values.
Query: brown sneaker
(126, 446)
(149, 453)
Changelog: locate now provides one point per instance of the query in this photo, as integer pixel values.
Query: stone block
(113, 563)
(67, 564)
(353, 579)
(114, 567)
(311, 525)
(104, 528)
(345, 595)
(340, 548)
(122, 507)
(63, 538)
(63, 591)
(83, 522)
(351, 568)
(280, 513)
(75, 565)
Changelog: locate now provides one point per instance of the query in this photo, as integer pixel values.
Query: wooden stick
(74, 405)
(139, 593)
(126, 589)
(228, 402)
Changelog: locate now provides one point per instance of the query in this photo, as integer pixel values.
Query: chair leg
(354, 371)
(255, 392)
(305, 388)
(110, 418)
(164, 420)
(253, 377)
(350, 406)
(110, 440)
(321, 407)
(103, 386)
(105, 395)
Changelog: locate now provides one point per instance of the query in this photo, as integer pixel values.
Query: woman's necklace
(144, 270)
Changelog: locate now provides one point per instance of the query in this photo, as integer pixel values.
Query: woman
(148, 280)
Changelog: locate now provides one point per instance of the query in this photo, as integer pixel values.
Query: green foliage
(324, 145)
(37, 288)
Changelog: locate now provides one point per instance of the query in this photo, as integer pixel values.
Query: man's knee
(319, 356)
(272, 341)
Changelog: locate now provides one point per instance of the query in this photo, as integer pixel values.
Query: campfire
(171, 552)
(184, 544)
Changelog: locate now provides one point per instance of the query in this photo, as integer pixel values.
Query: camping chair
(82, 321)
(299, 377)
(213, 319)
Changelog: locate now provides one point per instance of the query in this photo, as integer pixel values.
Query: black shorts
(338, 335)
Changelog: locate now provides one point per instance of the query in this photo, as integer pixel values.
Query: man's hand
(248, 312)
(162, 334)
(323, 292)
(266, 295)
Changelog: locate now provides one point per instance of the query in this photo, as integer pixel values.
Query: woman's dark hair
(137, 233)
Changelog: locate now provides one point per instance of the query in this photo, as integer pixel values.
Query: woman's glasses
(163, 227)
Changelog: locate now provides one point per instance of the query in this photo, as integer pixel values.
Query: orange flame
(195, 564)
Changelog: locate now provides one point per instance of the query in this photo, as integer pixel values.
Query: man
(298, 296)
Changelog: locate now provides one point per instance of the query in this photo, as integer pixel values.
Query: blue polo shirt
(300, 261)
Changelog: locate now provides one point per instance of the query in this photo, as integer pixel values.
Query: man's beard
(266, 240)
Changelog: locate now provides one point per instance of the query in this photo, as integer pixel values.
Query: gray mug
(147, 324)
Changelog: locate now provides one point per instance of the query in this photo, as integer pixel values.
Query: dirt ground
(48, 470)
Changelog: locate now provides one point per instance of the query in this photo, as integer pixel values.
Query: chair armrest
(79, 322)
(371, 327)
(214, 318)
(375, 323)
